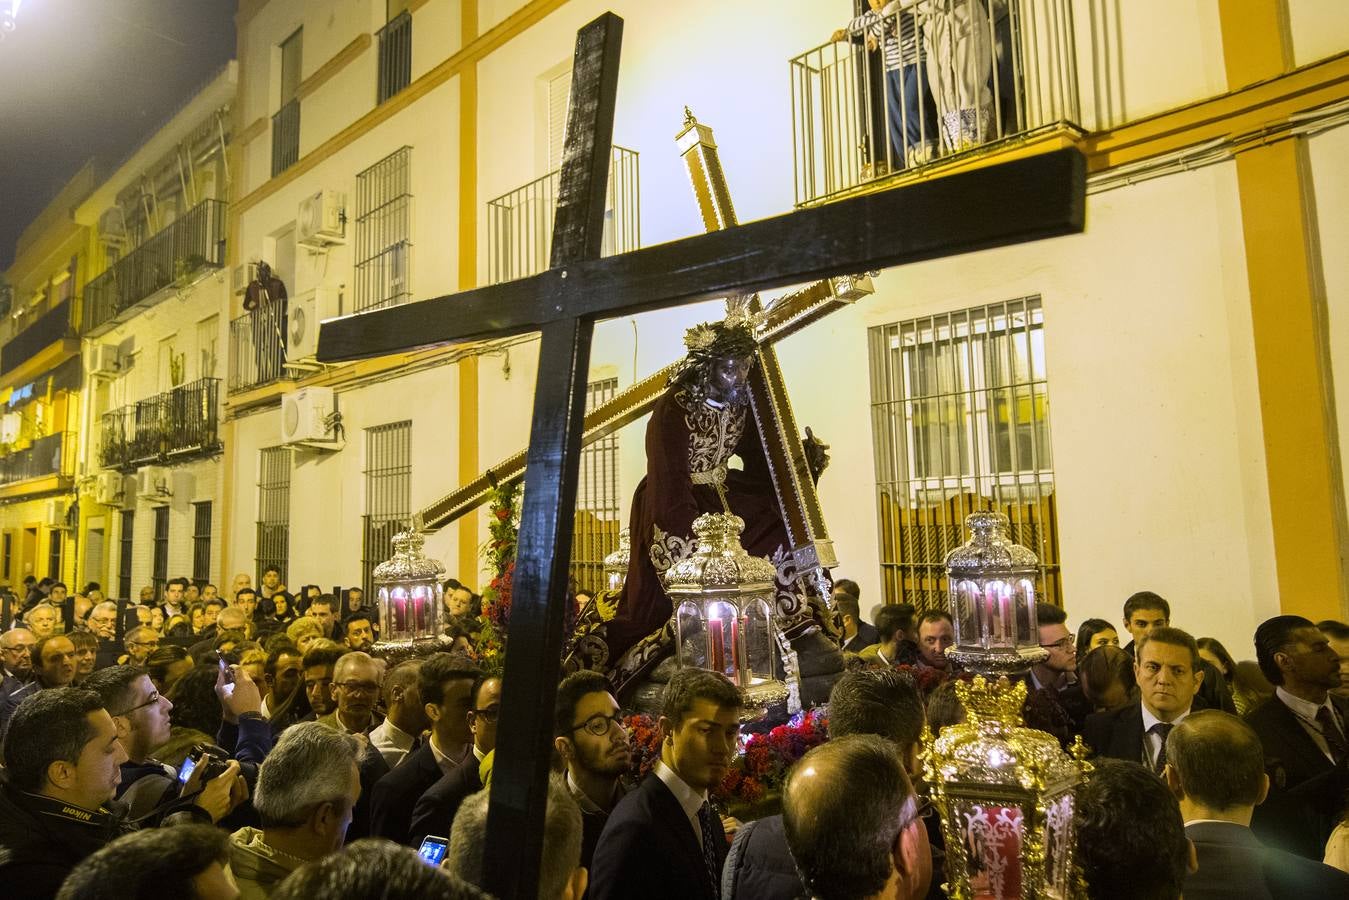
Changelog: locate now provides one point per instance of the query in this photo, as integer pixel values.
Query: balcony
(520, 223)
(257, 347)
(286, 137)
(52, 326)
(395, 55)
(45, 457)
(168, 427)
(192, 245)
(937, 88)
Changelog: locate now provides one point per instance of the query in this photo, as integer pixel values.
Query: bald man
(1216, 769)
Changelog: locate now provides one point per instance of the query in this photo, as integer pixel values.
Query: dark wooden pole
(539, 594)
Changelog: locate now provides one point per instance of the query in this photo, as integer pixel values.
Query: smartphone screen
(186, 769)
(432, 850)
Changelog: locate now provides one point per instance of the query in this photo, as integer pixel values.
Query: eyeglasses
(1063, 643)
(154, 698)
(489, 715)
(598, 724)
(921, 811)
(358, 687)
(144, 643)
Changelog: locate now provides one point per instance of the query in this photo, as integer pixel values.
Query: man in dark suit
(445, 683)
(664, 839)
(434, 812)
(593, 744)
(1168, 678)
(1145, 611)
(1302, 729)
(857, 633)
(853, 824)
(1216, 768)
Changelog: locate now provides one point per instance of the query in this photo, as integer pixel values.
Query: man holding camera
(150, 789)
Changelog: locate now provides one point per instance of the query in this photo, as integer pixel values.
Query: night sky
(83, 79)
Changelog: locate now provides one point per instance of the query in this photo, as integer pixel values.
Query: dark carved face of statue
(728, 380)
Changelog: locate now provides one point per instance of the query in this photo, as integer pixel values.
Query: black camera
(204, 762)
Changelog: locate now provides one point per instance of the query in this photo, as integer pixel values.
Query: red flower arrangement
(499, 553)
(762, 766)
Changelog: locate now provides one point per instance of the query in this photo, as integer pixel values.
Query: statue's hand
(817, 453)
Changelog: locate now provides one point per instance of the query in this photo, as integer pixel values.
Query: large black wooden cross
(1039, 197)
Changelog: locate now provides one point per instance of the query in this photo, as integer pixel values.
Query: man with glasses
(148, 787)
(140, 643)
(53, 663)
(853, 822)
(1056, 677)
(16, 660)
(593, 744)
(356, 680)
(434, 812)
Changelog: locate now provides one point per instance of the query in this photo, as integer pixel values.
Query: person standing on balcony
(958, 46)
(265, 298)
(910, 114)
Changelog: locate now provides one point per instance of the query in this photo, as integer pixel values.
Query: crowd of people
(250, 745)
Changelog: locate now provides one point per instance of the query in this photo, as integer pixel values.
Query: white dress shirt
(689, 800)
(1306, 712)
(1152, 743)
(392, 742)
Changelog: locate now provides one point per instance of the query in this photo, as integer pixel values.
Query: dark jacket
(42, 840)
(1233, 863)
(1306, 792)
(435, 811)
(396, 794)
(1118, 733)
(865, 637)
(648, 850)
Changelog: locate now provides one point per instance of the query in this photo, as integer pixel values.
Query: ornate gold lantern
(724, 621)
(1004, 791)
(409, 593)
(616, 563)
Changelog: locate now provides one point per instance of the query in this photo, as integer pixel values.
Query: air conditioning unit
(10, 425)
(304, 419)
(104, 360)
(302, 326)
(323, 219)
(55, 513)
(241, 276)
(110, 488)
(152, 483)
(112, 228)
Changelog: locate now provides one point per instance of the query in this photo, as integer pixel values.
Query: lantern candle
(716, 648)
(736, 655)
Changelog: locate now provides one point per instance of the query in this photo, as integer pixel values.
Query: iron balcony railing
(53, 325)
(925, 81)
(191, 244)
(520, 223)
(176, 424)
(258, 346)
(286, 137)
(395, 55)
(45, 456)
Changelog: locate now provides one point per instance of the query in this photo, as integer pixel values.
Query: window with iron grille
(55, 543)
(160, 569)
(595, 529)
(273, 543)
(286, 121)
(960, 423)
(8, 553)
(388, 493)
(383, 232)
(125, 539)
(395, 55)
(201, 543)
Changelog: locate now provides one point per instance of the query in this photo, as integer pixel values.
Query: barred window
(201, 543)
(160, 568)
(55, 544)
(388, 493)
(960, 422)
(273, 541)
(383, 232)
(596, 527)
(124, 557)
(395, 53)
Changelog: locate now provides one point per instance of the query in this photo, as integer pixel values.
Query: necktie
(1331, 732)
(1161, 729)
(705, 820)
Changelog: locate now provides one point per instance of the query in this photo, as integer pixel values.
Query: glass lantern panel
(1026, 618)
(760, 642)
(1058, 839)
(991, 835)
(399, 612)
(382, 599)
(614, 580)
(422, 608)
(722, 620)
(965, 605)
(998, 613)
(689, 635)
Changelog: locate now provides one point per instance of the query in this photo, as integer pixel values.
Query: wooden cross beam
(1025, 200)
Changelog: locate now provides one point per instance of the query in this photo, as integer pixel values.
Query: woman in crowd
(285, 610)
(303, 632)
(166, 665)
(1107, 676)
(196, 614)
(1095, 633)
(195, 717)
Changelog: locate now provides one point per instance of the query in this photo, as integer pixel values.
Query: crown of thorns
(717, 339)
